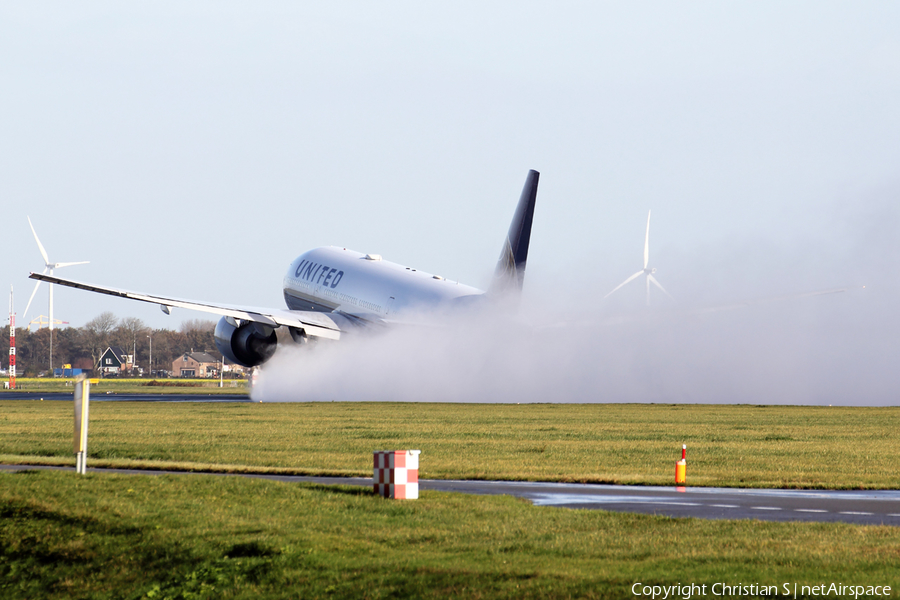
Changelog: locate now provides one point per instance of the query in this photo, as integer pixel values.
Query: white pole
(82, 404)
(51, 302)
(51, 325)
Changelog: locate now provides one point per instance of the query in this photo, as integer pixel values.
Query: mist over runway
(708, 345)
(801, 354)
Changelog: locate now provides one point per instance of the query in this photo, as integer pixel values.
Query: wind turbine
(48, 266)
(646, 270)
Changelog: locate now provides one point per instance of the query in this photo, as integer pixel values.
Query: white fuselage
(365, 286)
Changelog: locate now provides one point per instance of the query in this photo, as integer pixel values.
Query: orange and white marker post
(681, 466)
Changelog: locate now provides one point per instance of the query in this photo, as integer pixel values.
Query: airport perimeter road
(859, 507)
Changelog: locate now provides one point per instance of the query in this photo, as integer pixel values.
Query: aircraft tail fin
(510, 272)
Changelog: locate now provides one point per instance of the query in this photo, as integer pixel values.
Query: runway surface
(97, 396)
(858, 507)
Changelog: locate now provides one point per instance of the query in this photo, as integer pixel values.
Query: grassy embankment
(135, 385)
(112, 536)
(748, 446)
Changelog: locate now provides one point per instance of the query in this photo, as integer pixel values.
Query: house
(233, 371)
(114, 361)
(196, 364)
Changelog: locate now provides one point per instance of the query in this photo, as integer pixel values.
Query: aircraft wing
(315, 324)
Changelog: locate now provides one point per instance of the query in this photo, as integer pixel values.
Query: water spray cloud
(830, 349)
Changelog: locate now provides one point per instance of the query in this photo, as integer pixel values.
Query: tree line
(82, 347)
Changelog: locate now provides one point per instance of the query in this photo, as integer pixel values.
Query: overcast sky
(194, 149)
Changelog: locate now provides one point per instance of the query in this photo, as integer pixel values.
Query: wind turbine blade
(33, 292)
(40, 245)
(657, 284)
(647, 242)
(623, 283)
(69, 264)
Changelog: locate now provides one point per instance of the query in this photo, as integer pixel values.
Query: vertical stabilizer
(510, 272)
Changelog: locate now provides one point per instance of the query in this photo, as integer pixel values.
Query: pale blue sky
(194, 149)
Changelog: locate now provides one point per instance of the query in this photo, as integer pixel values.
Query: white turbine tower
(646, 270)
(48, 266)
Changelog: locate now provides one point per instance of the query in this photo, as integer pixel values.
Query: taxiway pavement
(876, 507)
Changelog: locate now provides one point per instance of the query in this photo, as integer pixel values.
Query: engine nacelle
(248, 344)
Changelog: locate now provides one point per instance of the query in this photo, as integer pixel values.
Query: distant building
(114, 361)
(232, 370)
(196, 364)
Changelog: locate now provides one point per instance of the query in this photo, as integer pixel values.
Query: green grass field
(200, 536)
(759, 446)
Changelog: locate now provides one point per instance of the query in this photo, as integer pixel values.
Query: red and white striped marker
(396, 474)
(12, 342)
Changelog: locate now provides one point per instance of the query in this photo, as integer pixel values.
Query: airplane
(330, 291)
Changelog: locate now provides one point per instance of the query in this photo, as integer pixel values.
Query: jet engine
(245, 343)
